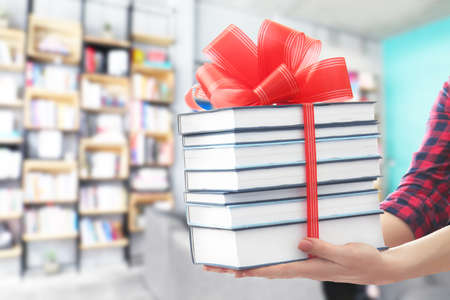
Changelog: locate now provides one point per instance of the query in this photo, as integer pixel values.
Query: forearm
(424, 256)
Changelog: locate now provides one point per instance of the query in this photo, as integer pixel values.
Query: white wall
(361, 54)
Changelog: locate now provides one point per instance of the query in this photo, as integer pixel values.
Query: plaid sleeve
(422, 198)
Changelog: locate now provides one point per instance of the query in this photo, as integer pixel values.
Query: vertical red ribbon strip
(311, 171)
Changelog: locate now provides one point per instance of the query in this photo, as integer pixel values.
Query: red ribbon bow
(281, 69)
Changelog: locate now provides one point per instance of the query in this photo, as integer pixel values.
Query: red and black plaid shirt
(422, 198)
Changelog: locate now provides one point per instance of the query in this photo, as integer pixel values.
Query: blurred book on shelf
(155, 57)
(364, 86)
(54, 43)
(11, 163)
(103, 197)
(49, 114)
(9, 88)
(100, 231)
(50, 220)
(46, 186)
(10, 200)
(9, 124)
(96, 95)
(10, 54)
(52, 144)
(7, 236)
(151, 88)
(150, 179)
(107, 61)
(58, 78)
(108, 127)
(152, 118)
(101, 164)
(150, 151)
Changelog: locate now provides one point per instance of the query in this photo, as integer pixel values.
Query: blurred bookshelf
(12, 62)
(86, 138)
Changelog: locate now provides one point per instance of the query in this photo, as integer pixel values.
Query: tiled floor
(117, 284)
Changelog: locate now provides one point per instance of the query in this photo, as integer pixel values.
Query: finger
(322, 249)
(217, 269)
(317, 268)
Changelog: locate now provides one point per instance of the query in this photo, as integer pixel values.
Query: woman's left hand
(353, 262)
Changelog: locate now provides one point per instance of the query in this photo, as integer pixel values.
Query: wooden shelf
(106, 42)
(11, 68)
(96, 212)
(10, 216)
(135, 229)
(53, 166)
(106, 78)
(68, 32)
(156, 135)
(44, 201)
(149, 198)
(151, 71)
(11, 104)
(101, 245)
(70, 97)
(37, 237)
(31, 127)
(11, 141)
(151, 39)
(13, 252)
(108, 110)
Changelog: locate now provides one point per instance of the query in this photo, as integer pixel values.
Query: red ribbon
(282, 69)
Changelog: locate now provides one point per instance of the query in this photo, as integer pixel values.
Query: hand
(353, 263)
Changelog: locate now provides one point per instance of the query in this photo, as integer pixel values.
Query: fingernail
(305, 245)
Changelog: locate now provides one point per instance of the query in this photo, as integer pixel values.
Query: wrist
(394, 266)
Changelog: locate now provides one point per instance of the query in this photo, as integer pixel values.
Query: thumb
(322, 249)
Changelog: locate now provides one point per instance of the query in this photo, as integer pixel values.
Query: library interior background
(91, 163)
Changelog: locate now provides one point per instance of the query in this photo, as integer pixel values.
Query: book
(96, 95)
(46, 186)
(150, 179)
(47, 114)
(148, 150)
(103, 196)
(249, 215)
(272, 117)
(261, 246)
(11, 163)
(101, 164)
(277, 153)
(50, 220)
(151, 118)
(10, 200)
(270, 194)
(278, 135)
(280, 175)
(100, 231)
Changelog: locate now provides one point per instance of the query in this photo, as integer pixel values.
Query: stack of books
(245, 180)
